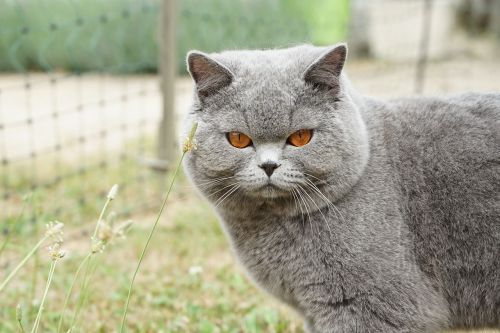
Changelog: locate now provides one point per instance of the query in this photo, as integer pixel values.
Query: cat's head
(274, 124)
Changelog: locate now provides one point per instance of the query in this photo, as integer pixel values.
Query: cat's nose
(269, 167)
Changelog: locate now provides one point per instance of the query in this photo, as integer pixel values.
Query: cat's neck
(362, 101)
(366, 105)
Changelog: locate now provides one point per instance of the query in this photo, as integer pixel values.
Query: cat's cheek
(315, 157)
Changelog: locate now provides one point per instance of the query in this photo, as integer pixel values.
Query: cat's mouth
(271, 190)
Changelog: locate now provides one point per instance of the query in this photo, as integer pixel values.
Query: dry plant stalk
(189, 144)
(56, 253)
(104, 233)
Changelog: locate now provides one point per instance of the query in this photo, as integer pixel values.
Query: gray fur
(387, 221)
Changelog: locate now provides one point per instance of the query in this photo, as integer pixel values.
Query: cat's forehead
(265, 88)
(267, 108)
(267, 64)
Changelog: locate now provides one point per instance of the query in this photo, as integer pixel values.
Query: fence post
(167, 139)
(424, 47)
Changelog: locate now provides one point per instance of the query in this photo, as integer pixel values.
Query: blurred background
(81, 100)
(92, 93)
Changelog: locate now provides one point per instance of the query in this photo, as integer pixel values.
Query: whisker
(326, 200)
(297, 204)
(321, 212)
(216, 203)
(313, 176)
(226, 195)
(216, 180)
(306, 207)
(221, 189)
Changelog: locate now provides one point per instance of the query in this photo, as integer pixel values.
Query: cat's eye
(239, 140)
(300, 138)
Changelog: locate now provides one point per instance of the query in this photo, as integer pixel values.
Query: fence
(66, 136)
(76, 116)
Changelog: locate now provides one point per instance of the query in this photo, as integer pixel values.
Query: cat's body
(392, 218)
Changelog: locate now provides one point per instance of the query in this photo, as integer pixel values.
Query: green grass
(166, 296)
(171, 293)
(120, 36)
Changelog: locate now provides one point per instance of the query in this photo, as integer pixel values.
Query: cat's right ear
(209, 75)
(325, 72)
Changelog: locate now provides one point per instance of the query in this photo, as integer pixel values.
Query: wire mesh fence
(81, 102)
(66, 135)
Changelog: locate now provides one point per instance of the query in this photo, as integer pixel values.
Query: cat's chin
(269, 192)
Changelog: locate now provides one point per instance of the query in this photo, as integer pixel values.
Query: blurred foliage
(111, 35)
(121, 35)
(326, 20)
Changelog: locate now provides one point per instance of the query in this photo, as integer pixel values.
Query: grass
(167, 296)
(188, 280)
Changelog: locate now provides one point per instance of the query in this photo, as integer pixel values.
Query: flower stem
(83, 290)
(21, 264)
(40, 309)
(86, 261)
(19, 317)
(21, 327)
(122, 326)
(68, 295)
(101, 215)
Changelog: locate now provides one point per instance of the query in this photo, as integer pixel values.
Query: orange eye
(239, 140)
(300, 138)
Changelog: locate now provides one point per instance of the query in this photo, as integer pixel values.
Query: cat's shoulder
(460, 120)
(472, 104)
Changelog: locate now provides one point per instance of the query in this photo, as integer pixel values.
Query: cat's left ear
(325, 71)
(209, 75)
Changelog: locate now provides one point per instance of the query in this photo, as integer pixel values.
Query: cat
(362, 215)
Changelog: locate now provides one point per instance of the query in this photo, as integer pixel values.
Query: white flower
(112, 193)
(56, 252)
(195, 270)
(55, 229)
(107, 233)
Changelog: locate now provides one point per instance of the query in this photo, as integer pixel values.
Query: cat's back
(445, 154)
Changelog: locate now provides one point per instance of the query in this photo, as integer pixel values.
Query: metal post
(167, 139)
(424, 47)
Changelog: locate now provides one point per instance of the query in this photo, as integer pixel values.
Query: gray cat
(362, 215)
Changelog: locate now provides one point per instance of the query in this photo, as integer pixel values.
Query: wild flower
(56, 252)
(190, 142)
(112, 192)
(195, 270)
(108, 233)
(54, 230)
